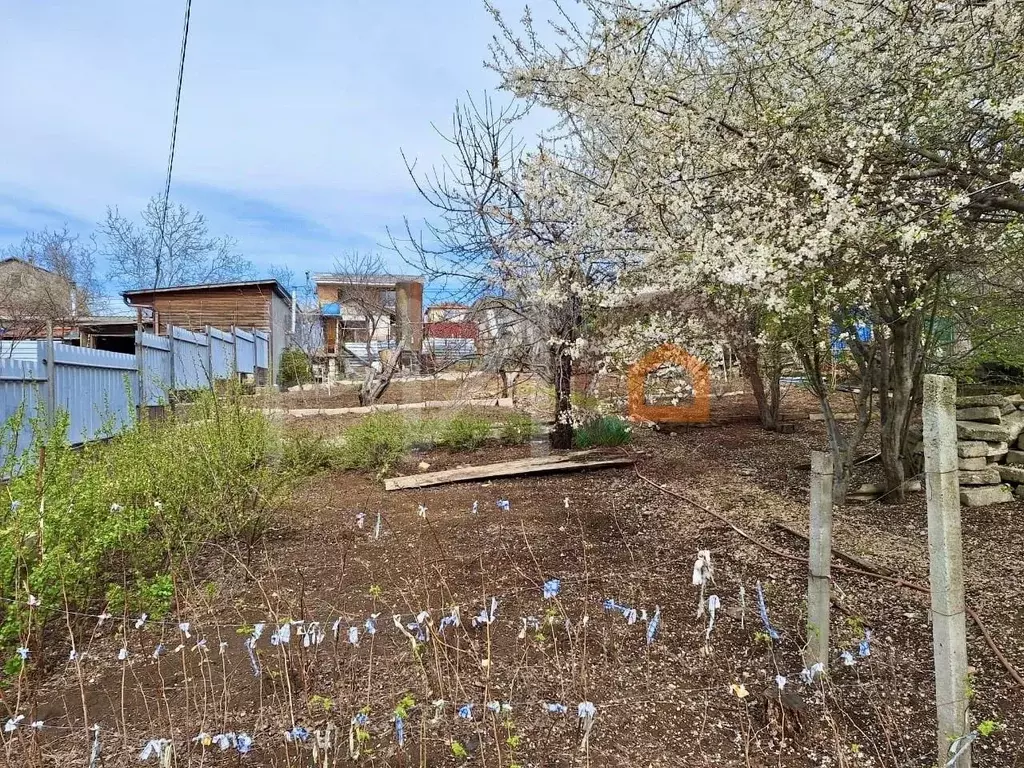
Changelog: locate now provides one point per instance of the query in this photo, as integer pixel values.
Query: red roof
(449, 330)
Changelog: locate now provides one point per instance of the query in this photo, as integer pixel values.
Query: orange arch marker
(697, 411)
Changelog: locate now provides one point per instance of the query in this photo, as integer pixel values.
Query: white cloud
(300, 108)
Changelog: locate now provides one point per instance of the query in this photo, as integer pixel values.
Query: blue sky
(292, 118)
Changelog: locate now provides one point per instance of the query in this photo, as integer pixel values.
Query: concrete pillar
(946, 567)
(819, 587)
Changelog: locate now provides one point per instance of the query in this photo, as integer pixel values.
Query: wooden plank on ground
(564, 463)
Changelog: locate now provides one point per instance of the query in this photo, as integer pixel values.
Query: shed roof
(274, 285)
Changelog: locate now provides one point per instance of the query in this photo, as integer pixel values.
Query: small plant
(157, 596)
(376, 443)
(603, 431)
(517, 428)
(459, 751)
(987, 727)
(463, 432)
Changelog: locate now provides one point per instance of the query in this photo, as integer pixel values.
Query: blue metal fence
(99, 390)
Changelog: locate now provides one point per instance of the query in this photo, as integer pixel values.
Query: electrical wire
(174, 136)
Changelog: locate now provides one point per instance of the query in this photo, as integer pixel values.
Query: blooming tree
(815, 167)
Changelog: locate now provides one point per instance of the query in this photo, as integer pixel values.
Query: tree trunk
(900, 349)
(561, 366)
(503, 378)
(767, 399)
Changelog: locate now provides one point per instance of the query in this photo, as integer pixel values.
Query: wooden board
(564, 463)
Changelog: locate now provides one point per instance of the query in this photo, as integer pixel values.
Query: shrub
(604, 430)
(295, 368)
(377, 442)
(517, 428)
(310, 453)
(463, 432)
(109, 521)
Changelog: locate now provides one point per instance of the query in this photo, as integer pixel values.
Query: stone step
(976, 430)
(984, 495)
(1010, 474)
(987, 476)
(989, 414)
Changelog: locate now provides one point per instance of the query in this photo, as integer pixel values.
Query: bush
(517, 428)
(295, 368)
(463, 432)
(602, 431)
(377, 442)
(117, 517)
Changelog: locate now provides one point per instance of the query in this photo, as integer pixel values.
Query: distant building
(31, 297)
(263, 305)
(363, 315)
(448, 312)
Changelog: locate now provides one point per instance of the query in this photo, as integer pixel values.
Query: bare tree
(369, 313)
(169, 245)
(48, 277)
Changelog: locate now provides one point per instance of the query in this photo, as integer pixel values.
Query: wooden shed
(264, 305)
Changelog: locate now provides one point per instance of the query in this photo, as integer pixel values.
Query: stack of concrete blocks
(990, 446)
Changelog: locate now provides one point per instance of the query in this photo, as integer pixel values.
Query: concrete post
(819, 587)
(946, 567)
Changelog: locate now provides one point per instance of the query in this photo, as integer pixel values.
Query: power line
(174, 136)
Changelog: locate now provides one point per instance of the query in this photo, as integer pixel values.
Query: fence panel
(97, 389)
(156, 368)
(262, 349)
(191, 359)
(22, 394)
(222, 353)
(245, 350)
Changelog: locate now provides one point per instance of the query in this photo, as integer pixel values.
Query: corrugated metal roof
(279, 289)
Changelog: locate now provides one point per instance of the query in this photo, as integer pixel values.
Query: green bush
(602, 431)
(295, 368)
(517, 428)
(310, 453)
(111, 520)
(463, 432)
(377, 442)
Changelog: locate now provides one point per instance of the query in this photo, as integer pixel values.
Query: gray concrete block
(1008, 474)
(1015, 423)
(968, 449)
(974, 463)
(984, 495)
(987, 476)
(989, 414)
(976, 430)
(973, 401)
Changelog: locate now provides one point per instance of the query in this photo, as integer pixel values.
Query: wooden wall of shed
(244, 307)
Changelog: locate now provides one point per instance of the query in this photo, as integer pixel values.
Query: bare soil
(605, 534)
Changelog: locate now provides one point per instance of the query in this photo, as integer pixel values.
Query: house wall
(31, 295)
(280, 331)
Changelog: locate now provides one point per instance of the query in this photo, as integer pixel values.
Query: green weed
(602, 431)
(517, 428)
(463, 432)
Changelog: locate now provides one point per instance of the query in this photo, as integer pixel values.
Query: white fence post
(819, 571)
(946, 567)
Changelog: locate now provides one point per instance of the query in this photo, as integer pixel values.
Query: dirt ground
(690, 697)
